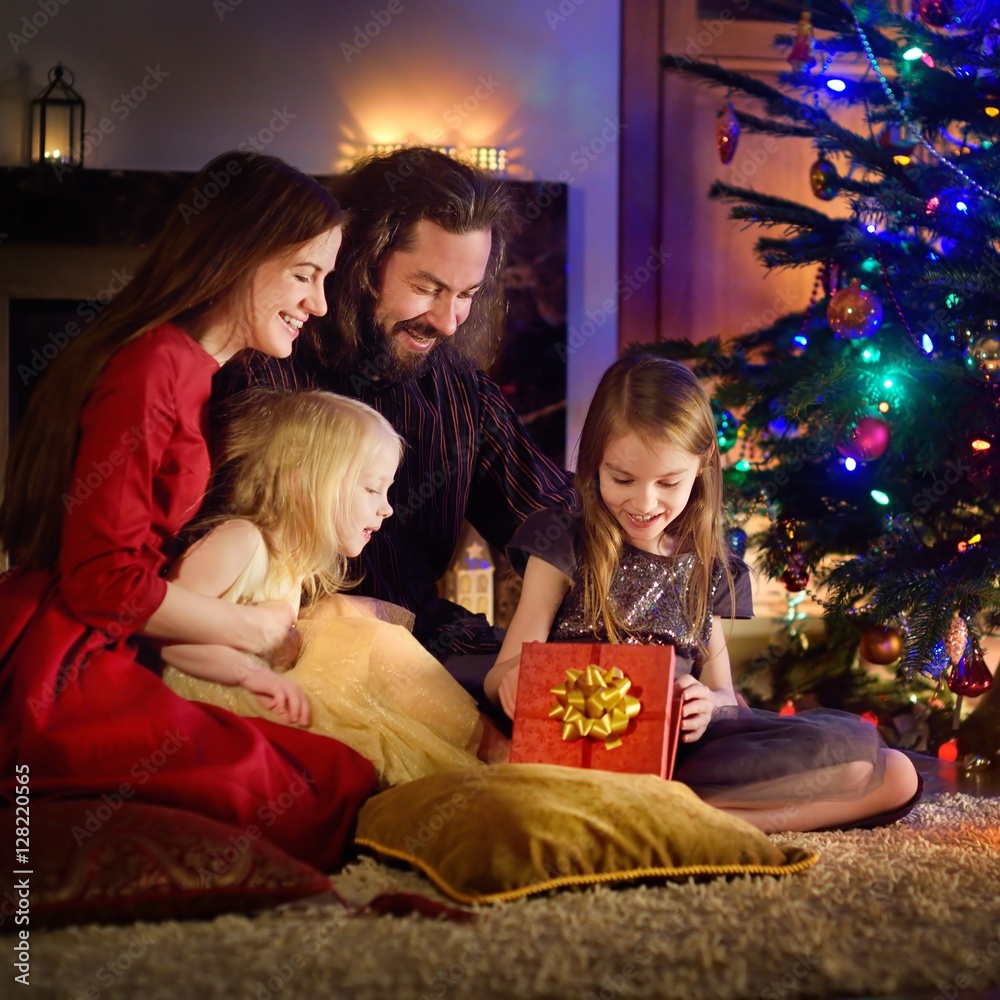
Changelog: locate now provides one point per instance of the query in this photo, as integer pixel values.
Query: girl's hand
(278, 693)
(279, 640)
(508, 691)
(696, 708)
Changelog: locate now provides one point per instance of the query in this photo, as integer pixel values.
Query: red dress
(76, 706)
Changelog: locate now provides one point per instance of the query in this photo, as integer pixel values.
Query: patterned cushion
(110, 861)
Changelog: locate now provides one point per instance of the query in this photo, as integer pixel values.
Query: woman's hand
(279, 639)
(278, 693)
(696, 708)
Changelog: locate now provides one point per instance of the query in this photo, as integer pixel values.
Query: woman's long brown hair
(240, 210)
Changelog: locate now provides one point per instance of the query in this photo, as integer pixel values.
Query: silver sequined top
(648, 590)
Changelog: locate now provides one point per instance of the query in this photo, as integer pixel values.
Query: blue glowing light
(927, 344)
(801, 340)
(961, 206)
(838, 85)
(871, 227)
(850, 464)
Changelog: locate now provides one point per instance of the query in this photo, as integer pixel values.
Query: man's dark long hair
(387, 195)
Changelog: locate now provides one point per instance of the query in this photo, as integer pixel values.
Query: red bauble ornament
(854, 312)
(867, 441)
(935, 13)
(970, 677)
(795, 578)
(727, 132)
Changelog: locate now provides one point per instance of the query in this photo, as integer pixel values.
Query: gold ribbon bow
(594, 704)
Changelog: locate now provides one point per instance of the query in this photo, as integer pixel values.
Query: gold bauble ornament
(882, 644)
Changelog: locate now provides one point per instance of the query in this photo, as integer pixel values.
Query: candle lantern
(57, 121)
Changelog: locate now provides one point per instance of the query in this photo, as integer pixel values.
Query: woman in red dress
(109, 465)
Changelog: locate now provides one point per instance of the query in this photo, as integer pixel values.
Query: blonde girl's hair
(239, 210)
(661, 402)
(289, 463)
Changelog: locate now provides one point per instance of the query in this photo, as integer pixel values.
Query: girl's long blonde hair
(239, 211)
(661, 402)
(289, 463)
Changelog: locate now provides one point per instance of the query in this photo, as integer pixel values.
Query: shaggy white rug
(910, 908)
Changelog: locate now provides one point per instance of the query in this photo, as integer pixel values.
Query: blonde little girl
(305, 479)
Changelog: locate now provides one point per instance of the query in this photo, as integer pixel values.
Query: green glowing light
(879, 497)
(742, 465)
(871, 265)
(953, 300)
(870, 354)
(888, 383)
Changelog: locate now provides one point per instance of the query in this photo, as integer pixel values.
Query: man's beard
(394, 362)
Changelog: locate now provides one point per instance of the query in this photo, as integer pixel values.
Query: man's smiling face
(426, 293)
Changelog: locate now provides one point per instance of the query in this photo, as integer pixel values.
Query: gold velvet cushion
(108, 861)
(511, 830)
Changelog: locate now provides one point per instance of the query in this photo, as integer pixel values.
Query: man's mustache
(418, 328)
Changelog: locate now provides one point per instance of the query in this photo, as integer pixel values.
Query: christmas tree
(869, 423)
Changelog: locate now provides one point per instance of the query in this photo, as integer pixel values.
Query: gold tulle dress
(370, 684)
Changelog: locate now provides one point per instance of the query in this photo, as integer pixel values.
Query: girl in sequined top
(645, 561)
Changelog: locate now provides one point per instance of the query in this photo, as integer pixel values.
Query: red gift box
(649, 743)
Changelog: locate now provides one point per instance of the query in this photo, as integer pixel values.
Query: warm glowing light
(975, 539)
(992, 111)
(870, 717)
(489, 158)
(787, 709)
(902, 160)
(980, 445)
(883, 407)
(948, 751)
